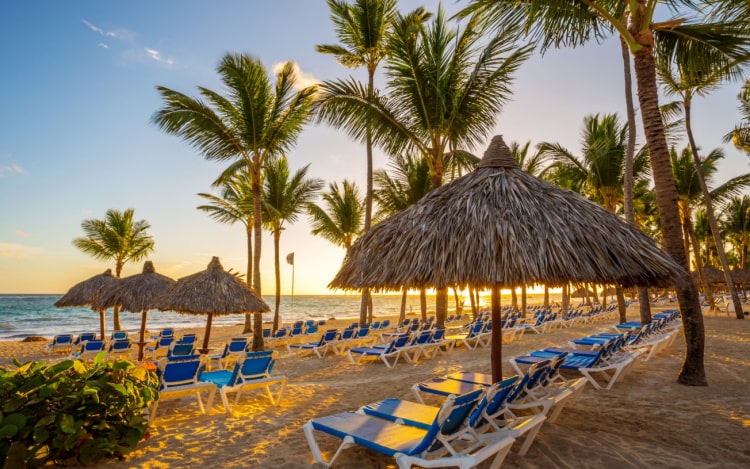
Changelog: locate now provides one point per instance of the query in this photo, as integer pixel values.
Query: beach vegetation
(257, 119)
(340, 218)
(119, 238)
(285, 197)
(72, 412)
(736, 227)
(740, 135)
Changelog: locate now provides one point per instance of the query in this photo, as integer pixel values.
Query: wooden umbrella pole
(496, 351)
(102, 325)
(207, 334)
(142, 341)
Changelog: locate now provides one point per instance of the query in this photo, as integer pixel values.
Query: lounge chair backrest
(437, 335)
(83, 337)
(63, 339)
(493, 400)
(119, 335)
(179, 372)
(385, 324)
(180, 350)
(187, 339)
(256, 365)
(166, 332)
(165, 341)
(347, 334)
(363, 332)
(94, 345)
(329, 336)
(122, 344)
(237, 344)
(453, 416)
(311, 329)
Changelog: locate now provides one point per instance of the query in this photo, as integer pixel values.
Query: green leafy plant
(72, 412)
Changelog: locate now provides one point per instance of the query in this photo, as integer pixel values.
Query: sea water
(26, 315)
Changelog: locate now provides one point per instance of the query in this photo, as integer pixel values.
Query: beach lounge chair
(187, 339)
(392, 350)
(254, 371)
(84, 336)
(61, 343)
(161, 347)
(235, 349)
(178, 378)
(164, 332)
(471, 338)
(89, 350)
(319, 347)
(118, 335)
(411, 445)
(119, 348)
(181, 351)
(339, 345)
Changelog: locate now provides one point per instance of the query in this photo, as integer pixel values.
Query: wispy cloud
(19, 251)
(132, 51)
(155, 55)
(10, 169)
(99, 30)
(22, 234)
(304, 79)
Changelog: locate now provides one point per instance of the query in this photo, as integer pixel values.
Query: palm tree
(256, 121)
(736, 226)
(409, 183)
(340, 221)
(444, 91)
(533, 163)
(117, 238)
(691, 195)
(740, 136)
(686, 83)
(362, 28)
(574, 23)
(285, 197)
(235, 204)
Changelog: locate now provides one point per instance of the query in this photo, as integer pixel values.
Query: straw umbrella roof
(499, 225)
(213, 292)
(713, 275)
(83, 293)
(581, 292)
(136, 293)
(741, 276)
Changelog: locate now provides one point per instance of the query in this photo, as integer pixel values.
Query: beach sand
(646, 420)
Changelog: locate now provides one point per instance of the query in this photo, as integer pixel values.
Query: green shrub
(72, 412)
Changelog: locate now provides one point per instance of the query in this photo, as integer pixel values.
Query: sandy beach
(646, 420)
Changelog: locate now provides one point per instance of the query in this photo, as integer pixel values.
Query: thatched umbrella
(212, 292)
(713, 275)
(498, 227)
(582, 293)
(136, 294)
(84, 293)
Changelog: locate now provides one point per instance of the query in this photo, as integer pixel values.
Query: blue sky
(78, 89)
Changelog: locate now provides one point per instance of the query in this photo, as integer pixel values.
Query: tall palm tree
(117, 237)
(340, 220)
(533, 163)
(690, 194)
(444, 87)
(601, 167)
(257, 120)
(686, 83)
(285, 197)
(563, 24)
(409, 182)
(740, 136)
(736, 226)
(362, 27)
(234, 204)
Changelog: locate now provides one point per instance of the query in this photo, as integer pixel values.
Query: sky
(78, 88)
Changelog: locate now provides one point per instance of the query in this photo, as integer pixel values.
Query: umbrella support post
(207, 334)
(496, 346)
(142, 342)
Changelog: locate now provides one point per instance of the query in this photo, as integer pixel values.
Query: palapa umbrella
(498, 227)
(84, 293)
(581, 293)
(740, 276)
(713, 275)
(136, 294)
(212, 292)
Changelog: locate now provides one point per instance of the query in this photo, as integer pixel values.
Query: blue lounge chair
(119, 335)
(412, 445)
(89, 350)
(161, 347)
(61, 343)
(85, 336)
(254, 371)
(178, 378)
(118, 348)
(164, 332)
(392, 350)
(181, 351)
(233, 350)
(470, 339)
(319, 347)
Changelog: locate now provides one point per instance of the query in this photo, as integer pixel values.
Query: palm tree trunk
(257, 241)
(699, 263)
(366, 303)
(277, 272)
(116, 310)
(710, 215)
(249, 276)
(596, 294)
(693, 371)
(621, 304)
(102, 323)
(473, 303)
(514, 301)
(523, 299)
(441, 306)
(565, 298)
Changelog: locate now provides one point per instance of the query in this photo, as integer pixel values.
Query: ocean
(25, 315)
